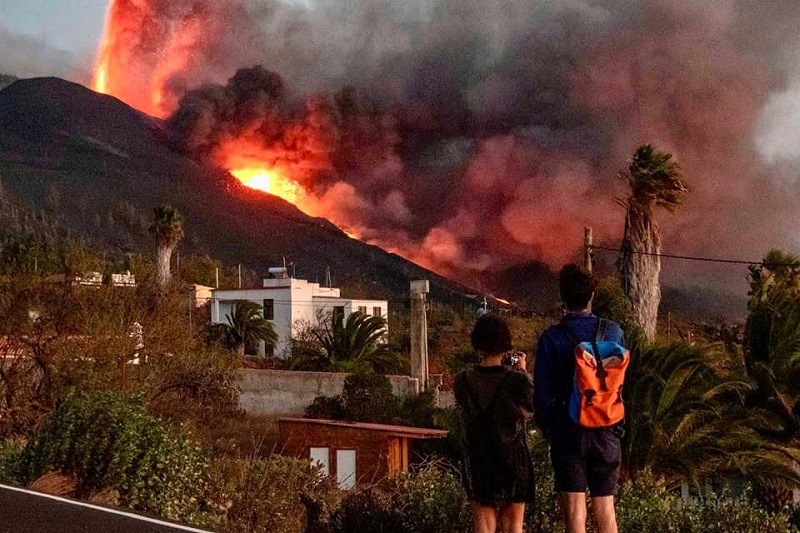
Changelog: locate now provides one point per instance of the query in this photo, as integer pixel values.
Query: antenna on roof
(328, 282)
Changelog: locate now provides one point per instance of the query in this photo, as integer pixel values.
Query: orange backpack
(596, 397)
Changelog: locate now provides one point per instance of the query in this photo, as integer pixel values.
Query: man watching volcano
(582, 457)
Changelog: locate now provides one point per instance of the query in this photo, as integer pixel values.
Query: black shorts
(586, 458)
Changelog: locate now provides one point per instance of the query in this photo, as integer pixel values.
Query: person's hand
(520, 361)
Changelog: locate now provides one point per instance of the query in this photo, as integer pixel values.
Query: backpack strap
(599, 335)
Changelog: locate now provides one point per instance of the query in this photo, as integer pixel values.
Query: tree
(247, 325)
(772, 354)
(167, 227)
(688, 420)
(351, 345)
(655, 181)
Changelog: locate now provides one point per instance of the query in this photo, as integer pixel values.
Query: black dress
(497, 465)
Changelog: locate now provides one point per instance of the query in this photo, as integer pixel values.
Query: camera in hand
(512, 359)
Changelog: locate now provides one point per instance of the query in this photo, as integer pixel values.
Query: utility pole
(419, 332)
(240, 275)
(587, 250)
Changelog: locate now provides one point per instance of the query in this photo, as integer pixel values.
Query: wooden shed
(354, 452)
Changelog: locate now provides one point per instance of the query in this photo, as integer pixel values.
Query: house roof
(390, 430)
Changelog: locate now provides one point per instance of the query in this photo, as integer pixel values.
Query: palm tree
(167, 227)
(688, 420)
(772, 354)
(356, 342)
(247, 325)
(655, 181)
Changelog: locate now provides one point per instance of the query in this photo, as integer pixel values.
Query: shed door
(320, 456)
(346, 468)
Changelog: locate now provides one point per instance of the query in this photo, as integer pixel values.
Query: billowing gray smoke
(489, 133)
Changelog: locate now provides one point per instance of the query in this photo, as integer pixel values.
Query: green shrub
(327, 407)
(10, 453)
(108, 441)
(267, 495)
(544, 514)
(368, 511)
(644, 505)
(419, 410)
(433, 501)
(368, 397)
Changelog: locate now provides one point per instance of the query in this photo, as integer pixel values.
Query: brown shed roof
(394, 431)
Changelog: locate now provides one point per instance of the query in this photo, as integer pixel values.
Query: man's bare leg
(604, 514)
(484, 518)
(512, 518)
(574, 504)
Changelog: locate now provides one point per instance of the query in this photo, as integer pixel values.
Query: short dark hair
(491, 335)
(576, 287)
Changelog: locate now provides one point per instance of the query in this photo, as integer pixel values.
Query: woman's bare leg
(484, 518)
(512, 517)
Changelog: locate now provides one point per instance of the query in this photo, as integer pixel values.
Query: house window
(321, 458)
(269, 309)
(362, 309)
(346, 468)
(338, 314)
(376, 311)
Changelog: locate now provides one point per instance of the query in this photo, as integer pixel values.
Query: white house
(290, 302)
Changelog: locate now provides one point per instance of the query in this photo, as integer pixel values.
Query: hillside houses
(291, 303)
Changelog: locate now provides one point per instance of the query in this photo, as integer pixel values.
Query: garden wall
(286, 392)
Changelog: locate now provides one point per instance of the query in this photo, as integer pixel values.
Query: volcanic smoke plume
(474, 135)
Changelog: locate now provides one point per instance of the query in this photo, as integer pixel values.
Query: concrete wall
(284, 392)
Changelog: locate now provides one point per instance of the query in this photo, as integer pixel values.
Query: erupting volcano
(470, 137)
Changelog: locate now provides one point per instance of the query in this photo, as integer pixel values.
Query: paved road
(23, 511)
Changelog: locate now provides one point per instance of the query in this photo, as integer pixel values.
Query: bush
(431, 500)
(644, 505)
(267, 495)
(10, 453)
(327, 407)
(544, 514)
(108, 441)
(368, 511)
(368, 397)
(419, 410)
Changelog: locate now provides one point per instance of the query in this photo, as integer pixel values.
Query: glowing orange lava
(100, 78)
(126, 66)
(271, 181)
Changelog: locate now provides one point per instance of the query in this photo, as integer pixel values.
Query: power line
(695, 258)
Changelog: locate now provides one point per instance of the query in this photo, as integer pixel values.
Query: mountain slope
(102, 166)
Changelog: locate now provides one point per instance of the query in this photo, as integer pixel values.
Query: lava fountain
(144, 44)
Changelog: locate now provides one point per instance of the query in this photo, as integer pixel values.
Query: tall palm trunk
(655, 181)
(640, 266)
(163, 260)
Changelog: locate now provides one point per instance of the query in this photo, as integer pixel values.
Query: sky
(71, 25)
(47, 37)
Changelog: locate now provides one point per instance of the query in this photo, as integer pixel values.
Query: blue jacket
(554, 366)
